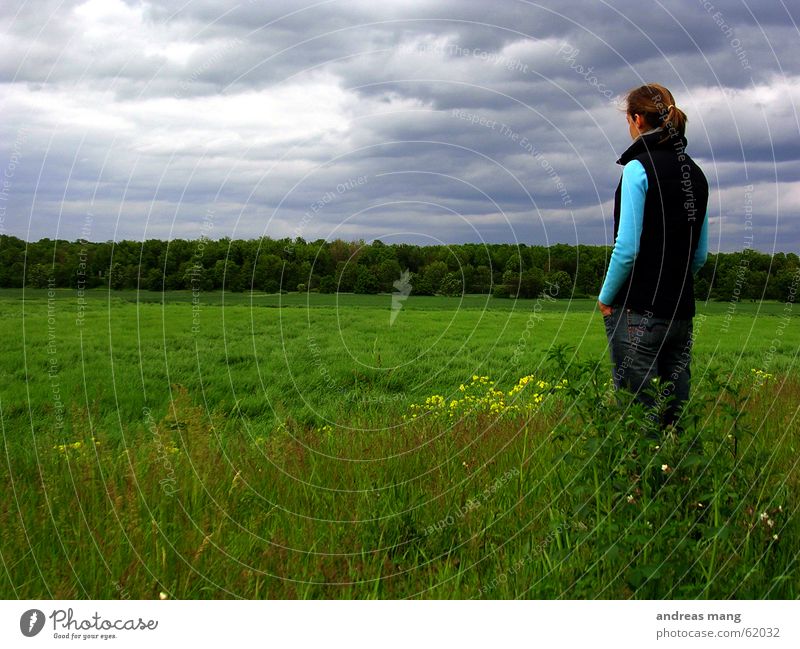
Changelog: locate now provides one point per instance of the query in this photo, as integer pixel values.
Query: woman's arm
(631, 216)
(701, 253)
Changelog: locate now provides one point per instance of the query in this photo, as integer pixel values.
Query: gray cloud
(470, 121)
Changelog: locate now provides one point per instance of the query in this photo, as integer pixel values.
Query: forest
(287, 265)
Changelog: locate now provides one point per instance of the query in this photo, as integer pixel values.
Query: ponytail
(674, 121)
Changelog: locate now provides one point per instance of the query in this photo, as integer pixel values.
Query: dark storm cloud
(469, 120)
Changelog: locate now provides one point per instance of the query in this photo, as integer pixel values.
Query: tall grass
(184, 466)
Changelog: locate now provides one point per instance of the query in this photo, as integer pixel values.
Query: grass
(264, 446)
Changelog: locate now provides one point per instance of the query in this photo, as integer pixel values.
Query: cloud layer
(405, 121)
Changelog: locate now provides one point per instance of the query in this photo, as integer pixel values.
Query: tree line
(273, 265)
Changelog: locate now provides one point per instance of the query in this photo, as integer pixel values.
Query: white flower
(774, 537)
(630, 498)
(162, 595)
(665, 467)
(764, 516)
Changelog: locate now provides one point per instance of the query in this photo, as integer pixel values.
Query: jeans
(644, 347)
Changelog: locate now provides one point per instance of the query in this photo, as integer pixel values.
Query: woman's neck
(652, 130)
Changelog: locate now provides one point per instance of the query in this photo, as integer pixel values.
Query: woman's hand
(604, 308)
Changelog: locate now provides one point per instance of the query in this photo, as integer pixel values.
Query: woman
(660, 243)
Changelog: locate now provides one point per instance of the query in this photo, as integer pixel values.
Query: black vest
(674, 210)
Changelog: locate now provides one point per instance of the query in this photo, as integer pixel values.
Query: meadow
(348, 446)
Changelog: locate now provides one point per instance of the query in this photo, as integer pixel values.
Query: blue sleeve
(701, 254)
(631, 216)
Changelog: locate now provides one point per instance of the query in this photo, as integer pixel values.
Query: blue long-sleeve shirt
(631, 217)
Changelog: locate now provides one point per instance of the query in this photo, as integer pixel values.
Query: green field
(258, 446)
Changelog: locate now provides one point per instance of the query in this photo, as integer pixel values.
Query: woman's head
(655, 106)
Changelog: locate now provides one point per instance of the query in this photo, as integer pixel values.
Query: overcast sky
(422, 121)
